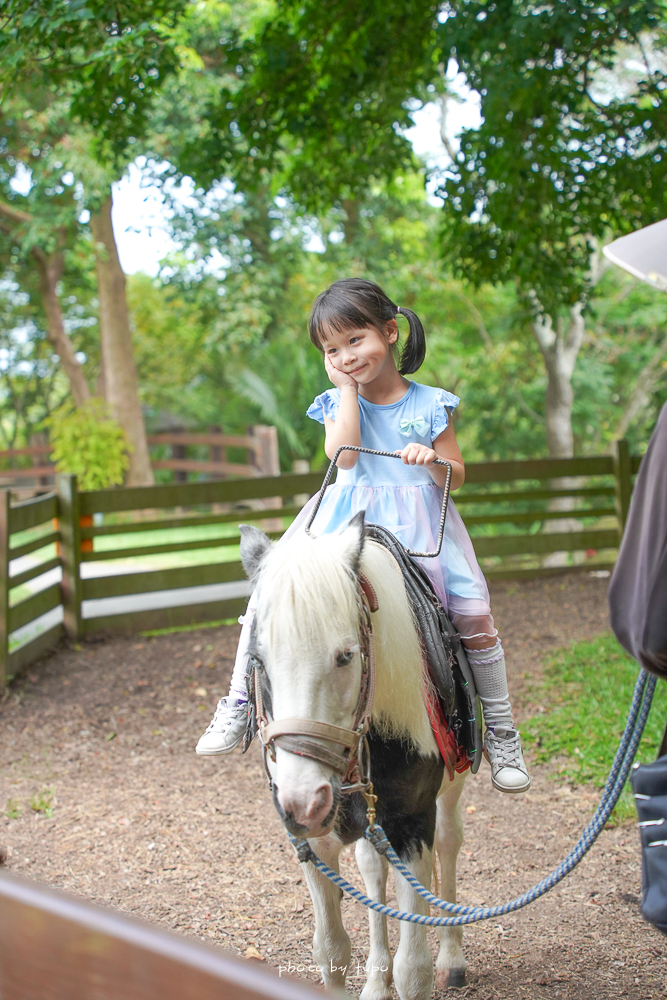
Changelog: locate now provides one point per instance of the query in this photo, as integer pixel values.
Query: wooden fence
(54, 946)
(28, 470)
(99, 557)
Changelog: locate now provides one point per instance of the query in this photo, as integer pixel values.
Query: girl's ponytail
(414, 351)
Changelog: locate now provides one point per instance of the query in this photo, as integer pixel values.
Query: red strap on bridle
(369, 592)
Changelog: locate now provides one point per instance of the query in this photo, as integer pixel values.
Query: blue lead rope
(618, 775)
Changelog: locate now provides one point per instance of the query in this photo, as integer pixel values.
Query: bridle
(345, 751)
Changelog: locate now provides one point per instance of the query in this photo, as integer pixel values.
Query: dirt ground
(101, 794)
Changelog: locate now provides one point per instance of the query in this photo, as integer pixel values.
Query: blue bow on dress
(418, 424)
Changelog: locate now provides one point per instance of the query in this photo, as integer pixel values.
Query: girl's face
(364, 353)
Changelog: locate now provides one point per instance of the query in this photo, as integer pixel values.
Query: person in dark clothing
(638, 588)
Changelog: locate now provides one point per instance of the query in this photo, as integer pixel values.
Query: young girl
(354, 325)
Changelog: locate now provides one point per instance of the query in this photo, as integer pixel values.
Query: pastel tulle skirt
(412, 513)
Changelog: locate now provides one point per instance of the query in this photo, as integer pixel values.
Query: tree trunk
(560, 348)
(645, 385)
(351, 207)
(50, 269)
(120, 373)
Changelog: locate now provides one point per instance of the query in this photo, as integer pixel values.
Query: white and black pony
(307, 646)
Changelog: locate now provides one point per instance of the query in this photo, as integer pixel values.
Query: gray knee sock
(488, 667)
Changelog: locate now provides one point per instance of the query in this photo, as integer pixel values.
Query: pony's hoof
(457, 979)
(450, 979)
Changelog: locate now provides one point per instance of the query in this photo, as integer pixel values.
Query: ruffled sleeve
(325, 405)
(445, 402)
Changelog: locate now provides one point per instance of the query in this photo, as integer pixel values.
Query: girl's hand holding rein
(444, 447)
(418, 454)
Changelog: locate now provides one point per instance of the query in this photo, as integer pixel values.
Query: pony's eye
(342, 659)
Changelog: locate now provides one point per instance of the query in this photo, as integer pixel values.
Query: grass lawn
(227, 552)
(188, 557)
(586, 691)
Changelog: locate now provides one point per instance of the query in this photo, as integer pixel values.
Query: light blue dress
(403, 498)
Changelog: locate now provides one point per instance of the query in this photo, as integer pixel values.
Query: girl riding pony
(372, 404)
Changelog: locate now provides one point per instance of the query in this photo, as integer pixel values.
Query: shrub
(88, 442)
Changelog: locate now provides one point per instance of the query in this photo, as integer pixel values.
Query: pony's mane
(307, 588)
(402, 680)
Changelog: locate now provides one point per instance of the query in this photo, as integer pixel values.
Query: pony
(306, 647)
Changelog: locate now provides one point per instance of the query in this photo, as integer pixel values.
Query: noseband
(345, 751)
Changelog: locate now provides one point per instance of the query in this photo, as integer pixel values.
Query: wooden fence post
(70, 553)
(268, 460)
(5, 497)
(268, 464)
(622, 481)
(215, 452)
(179, 451)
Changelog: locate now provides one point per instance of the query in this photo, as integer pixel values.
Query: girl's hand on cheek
(418, 454)
(340, 379)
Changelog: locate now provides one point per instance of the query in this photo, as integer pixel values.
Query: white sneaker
(502, 749)
(226, 729)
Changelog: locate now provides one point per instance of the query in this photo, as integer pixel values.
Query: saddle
(454, 717)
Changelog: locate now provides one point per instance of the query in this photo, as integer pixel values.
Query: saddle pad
(448, 665)
(649, 783)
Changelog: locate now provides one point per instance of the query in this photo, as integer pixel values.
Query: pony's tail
(414, 351)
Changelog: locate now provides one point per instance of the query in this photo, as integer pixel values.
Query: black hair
(354, 303)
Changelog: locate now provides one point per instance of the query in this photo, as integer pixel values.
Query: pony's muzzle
(305, 793)
(307, 811)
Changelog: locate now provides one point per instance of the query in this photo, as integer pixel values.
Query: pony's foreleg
(373, 868)
(413, 964)
(331, 945)
(450, 965)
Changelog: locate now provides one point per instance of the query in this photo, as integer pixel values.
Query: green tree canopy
(573, 143)
(109, 58)
(312, 95)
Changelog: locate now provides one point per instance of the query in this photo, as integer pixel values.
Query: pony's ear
(353, 538)
(254, 546)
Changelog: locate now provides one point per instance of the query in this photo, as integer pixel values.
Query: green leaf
(89, 443)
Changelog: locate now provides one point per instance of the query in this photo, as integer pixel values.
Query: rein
(620, 768)
(345, 751)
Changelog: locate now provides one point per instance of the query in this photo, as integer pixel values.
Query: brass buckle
(371, 802)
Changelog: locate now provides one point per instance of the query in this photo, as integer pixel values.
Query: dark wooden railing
(54, 946)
